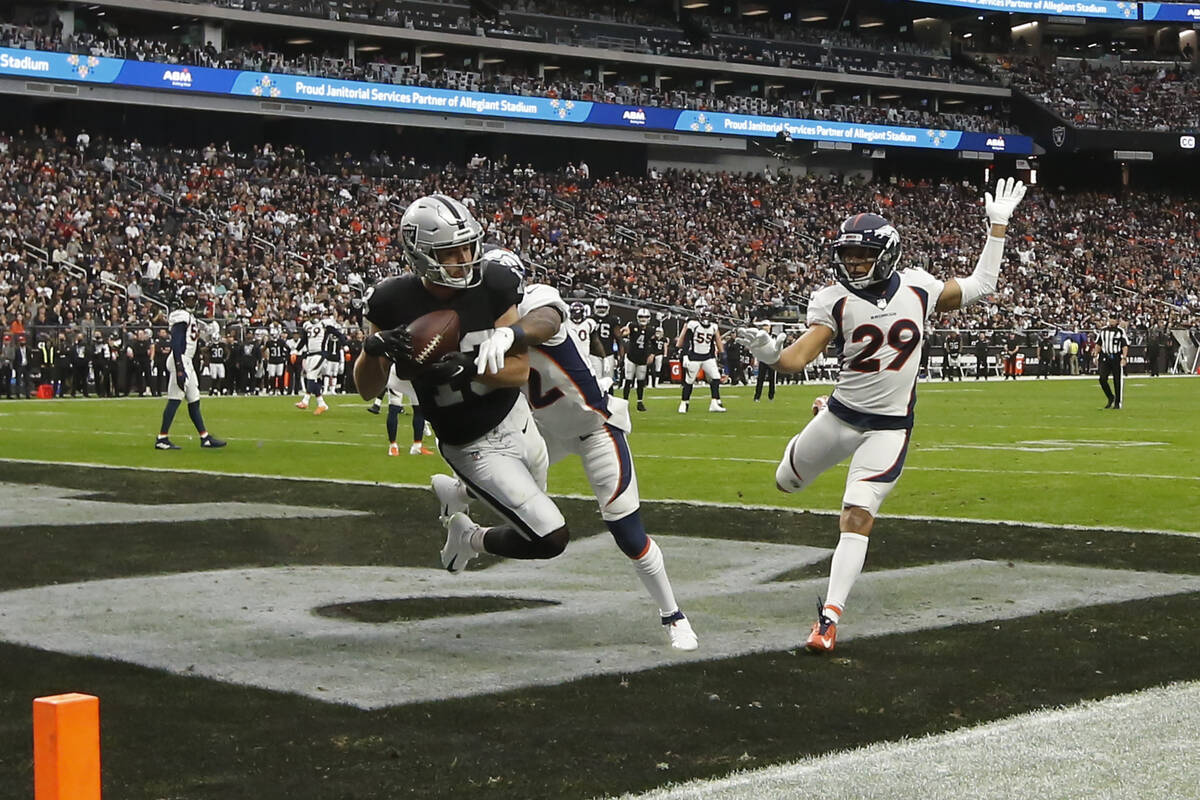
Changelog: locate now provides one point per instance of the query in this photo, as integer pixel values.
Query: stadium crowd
(1124, 97)
(98, 233)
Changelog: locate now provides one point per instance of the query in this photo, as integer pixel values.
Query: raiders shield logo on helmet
(1059, 134)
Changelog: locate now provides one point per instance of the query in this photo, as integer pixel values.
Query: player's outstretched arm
(793, 358)
(960, 292)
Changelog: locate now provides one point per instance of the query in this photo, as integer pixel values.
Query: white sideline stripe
(1131, 746)
(1149, 475)
(663, 500)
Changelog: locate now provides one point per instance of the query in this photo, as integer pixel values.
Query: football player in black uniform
(218, 351)
(483, 424)
(952, 360)
(639, 355)
(277, 356)
(606, 325)
(659, 347)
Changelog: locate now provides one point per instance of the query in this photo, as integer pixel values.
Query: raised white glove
(762, 345)
(491, 352)
(999, 209)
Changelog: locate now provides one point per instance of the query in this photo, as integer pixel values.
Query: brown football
(434, 335)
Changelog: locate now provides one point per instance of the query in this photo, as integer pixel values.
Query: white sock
(378, 403)
(847, 564)
(321, 402)
(305, 400)
(652, 572)
(477, 539)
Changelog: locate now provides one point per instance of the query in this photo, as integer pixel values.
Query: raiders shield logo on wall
(1059, 134)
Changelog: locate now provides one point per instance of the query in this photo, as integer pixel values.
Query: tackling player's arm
(960, 292)
(515, 372)
(720, 343)
(371, 372)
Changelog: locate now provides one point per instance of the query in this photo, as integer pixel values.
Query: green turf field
(312, 648)
(1033, 451)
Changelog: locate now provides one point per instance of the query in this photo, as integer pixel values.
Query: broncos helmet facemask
(872, 232)
(436, 222)
(579, 312)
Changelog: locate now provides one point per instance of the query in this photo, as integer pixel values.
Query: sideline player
(576, 417)
(185, 332)
(878, 318)
(606, 325)
(397, 390)
(704, 345)
(952, 357)
(483, 424)
(313, 344)
(639, 355)
(277, 355)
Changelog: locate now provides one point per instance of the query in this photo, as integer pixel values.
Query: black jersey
(277, 351)
(251, 353)
(953, 346)
(458, 417)
(640, 345)
(216, 353)
(331, 345)
(658, 345)
(607, 328)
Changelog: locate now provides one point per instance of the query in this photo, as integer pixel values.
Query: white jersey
(581, 333)
(178, 316)
(562, 389)
(879, 346)
(314, 337)
(703, 338)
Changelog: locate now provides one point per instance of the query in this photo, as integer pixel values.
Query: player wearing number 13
(876, 318)
(483, 423)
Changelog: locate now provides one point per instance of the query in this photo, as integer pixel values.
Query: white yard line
(1132, 746)
(664, 500)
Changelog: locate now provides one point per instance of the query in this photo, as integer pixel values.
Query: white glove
(491, 352)
(762, 345)
(999, 209)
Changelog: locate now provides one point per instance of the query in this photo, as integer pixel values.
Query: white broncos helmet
(435, 222)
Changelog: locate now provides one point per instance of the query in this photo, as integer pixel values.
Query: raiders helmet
(874, 233)
(578, 311)
(643, 316)
(436, 222)
(601, 307)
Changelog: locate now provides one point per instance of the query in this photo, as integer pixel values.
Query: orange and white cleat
(320, 410)
(823, 636)
(393, 449)
(419, 449)
(302, 405)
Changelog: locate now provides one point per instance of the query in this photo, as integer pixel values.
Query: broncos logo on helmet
(578, 311)
(879, 245)
(189, 298)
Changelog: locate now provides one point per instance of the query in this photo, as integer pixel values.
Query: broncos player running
(639, 355)
(313, 343)
(185, 332)
(877, 317)
(483, 424)
(576, 417)
(704, 344)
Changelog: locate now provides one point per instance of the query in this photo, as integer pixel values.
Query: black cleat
(163, 443)
(1109, 404)
(641, 406)
(372, 409)
(212, 441)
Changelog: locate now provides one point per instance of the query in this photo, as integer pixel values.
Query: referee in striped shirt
(1111, 349)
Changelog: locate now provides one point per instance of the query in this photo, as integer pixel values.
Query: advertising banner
(302, 88)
